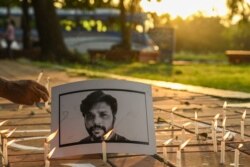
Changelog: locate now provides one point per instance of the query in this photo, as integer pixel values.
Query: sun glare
(185, 8)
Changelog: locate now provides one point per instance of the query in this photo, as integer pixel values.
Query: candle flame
(51, 152)
(186, 124)
(106, 136)
(39, 77)
(216, 116)
(3, 122)
(10, 142)
(244, 115)
(174, 109)
(184, 144)
(10, 133)
(224, 122)
(167, 141)
(195, 115)
(240, 145)
(225, 105)
(226, 136)
(51, 136)
(4, 131)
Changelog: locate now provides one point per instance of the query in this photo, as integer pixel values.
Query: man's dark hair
(96, 97)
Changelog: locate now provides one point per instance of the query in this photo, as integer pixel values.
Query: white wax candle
(172, 119)
(214, 138)
(165, 154)
(222, 155)
(104, 151)
(242, 129)
(46, 150)
(183, 132)
(236, 157)
(196, 123)
(178, 158)
(5, 152)
(47, 162)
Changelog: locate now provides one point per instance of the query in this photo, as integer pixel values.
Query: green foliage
(239, 35)
(200, 34)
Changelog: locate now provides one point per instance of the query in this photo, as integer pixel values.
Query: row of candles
(214, 136)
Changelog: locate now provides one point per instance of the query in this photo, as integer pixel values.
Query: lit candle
(48, 88)
(196, 123)
(237, 155)
(242, 125)
(5, 146)
(104, 145)
(214, 136)
(224, 126)
(172, 116)
(224, 109)
(222, 156)
(178, 153)
(47, 162)
(165, 149)
(46, 147)
(184, 131)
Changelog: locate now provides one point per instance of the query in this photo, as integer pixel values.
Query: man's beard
(97, 138)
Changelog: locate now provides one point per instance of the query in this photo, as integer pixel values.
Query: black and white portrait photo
(83, 112)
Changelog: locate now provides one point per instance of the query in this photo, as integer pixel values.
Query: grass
(218, 74)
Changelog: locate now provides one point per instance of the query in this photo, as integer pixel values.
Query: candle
(172, 116)
(222, 156)
(242, 126)
(214, 136)
(47, 162)
(224, 109)
(237, 155)
(178, 158)
(224, 126)
(5, 151)
(196, 123)
(165, 149)
(47, 145)
(183, 130)
(178, 153)
(48, 88)
(104, 151)
(104, 145)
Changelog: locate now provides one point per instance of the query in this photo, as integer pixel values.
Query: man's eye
(103, 115)
(90, 116)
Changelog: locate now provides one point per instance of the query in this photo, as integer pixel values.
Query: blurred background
(203, 43)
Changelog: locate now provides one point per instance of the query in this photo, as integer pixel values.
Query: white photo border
(71, 149)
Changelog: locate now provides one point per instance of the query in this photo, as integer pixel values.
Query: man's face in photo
(99, 120)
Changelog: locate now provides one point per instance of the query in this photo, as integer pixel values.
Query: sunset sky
(185, 8)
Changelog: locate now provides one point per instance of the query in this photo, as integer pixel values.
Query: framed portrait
(83, 112)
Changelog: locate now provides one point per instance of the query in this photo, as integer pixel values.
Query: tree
(240, 8)
(51, 40)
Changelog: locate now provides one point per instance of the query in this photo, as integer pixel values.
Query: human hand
(25, 92)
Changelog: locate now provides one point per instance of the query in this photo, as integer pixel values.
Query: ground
(33, 125)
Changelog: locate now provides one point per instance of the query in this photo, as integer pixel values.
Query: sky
(185, 8)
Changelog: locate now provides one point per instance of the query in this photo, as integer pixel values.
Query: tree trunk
(51, 41)
(26, 25)
(125, 31)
